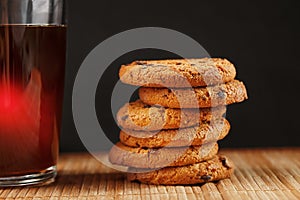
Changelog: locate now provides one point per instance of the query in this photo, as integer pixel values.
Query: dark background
(260, 37)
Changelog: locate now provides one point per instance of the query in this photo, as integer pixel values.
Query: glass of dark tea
(32, 70)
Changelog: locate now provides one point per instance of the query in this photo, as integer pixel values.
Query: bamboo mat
(260, 174)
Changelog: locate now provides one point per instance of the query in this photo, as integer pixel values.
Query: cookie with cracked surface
(220, 167)
(222, 94)
(178, 72)
(191, 136)
(160, 157)
(140, 116)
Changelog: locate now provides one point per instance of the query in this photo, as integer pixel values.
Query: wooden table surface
(260, 174)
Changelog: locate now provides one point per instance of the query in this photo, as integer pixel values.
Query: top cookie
(178, 72)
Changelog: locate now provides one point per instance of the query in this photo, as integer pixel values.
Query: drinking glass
(32, 70)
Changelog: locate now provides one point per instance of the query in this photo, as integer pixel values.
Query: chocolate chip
(206, 177)
(204, 98)
(124, 117)
(146, 106)
(224, 162)
(139, 62)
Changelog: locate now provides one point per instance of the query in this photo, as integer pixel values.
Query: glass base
(45, 177)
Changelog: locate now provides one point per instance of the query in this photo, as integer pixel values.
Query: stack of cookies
(169, 136)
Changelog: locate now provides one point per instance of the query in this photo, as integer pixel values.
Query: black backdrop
(260, 37)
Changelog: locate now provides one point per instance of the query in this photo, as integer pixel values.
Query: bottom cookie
(217, 168)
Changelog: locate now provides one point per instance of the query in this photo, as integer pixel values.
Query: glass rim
(32, 24)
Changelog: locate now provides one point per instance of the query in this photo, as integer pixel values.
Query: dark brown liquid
(32, 66)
